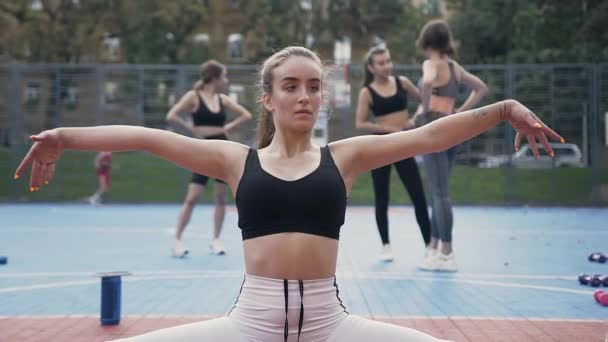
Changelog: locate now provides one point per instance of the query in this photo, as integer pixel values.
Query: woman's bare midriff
(441, 104)
(291, 256)
(202, 132)
(396, 120)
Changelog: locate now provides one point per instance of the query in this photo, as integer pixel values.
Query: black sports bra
(385, 105)
(205, 117)
(314, 204)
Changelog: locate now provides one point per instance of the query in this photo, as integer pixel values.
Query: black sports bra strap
(371, 90)
(398, 83)
(253, 158)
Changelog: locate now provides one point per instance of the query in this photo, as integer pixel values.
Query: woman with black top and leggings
(208, 107)
(386, 96)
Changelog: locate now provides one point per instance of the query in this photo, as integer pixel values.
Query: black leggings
(408, 172)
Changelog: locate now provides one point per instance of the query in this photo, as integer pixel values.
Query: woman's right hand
(42, 156)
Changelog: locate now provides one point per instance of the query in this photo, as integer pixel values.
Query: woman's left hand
(530, 126)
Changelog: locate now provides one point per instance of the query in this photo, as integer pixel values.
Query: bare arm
(410, 88)
(215, 158)
(429, 75)
(478, 90)
(361, 121)
(361, 154)
(234, 107)
(186, 104)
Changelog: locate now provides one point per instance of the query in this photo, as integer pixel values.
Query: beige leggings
(269, 310)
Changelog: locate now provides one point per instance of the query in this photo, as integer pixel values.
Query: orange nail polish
(31, 188)
(552, 154)
(562, 140)
(46, 182)
(16, 177)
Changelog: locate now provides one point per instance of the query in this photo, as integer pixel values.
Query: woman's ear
(267, 102)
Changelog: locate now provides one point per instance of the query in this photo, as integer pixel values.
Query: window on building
(235, 46)
(32, 92)
(201, 39)
(342, 50)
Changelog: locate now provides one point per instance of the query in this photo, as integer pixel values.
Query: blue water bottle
(111, 297)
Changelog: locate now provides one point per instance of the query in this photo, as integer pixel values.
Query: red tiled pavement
(76, 329)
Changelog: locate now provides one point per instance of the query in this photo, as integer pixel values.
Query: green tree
(521, 31)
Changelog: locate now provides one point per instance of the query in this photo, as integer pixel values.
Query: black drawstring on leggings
(301, 321)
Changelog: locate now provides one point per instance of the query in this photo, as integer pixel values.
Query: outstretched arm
(215, 158)
(361, 154)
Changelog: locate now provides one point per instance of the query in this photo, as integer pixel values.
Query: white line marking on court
(172, 275)
(351, 274)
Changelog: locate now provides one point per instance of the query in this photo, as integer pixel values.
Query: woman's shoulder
(190, 95)
(364, 91)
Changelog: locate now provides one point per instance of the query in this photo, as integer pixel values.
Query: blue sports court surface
(515, 263)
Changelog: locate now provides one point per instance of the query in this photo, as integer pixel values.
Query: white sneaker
(179, 250)
(217, 247)
(446, 263)
(387, 253)
(94, 200)
(429, 263)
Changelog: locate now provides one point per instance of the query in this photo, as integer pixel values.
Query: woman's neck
(208, 89)
(381, 80)
(436, 55)
(289, 144)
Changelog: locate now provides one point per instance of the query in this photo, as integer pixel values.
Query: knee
(190, 202)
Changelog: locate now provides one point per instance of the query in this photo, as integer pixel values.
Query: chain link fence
(572, 98)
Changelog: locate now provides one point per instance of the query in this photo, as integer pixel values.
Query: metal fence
(572, 98)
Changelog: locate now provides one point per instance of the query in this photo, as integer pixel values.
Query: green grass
(140, 177)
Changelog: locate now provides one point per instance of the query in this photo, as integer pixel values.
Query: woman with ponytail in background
(208, 107)
(386, 96)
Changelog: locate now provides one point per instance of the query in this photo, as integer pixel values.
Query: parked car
(566, 155)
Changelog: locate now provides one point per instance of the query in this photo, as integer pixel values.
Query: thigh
(218, 329)
(410, 176)
(381, 177)
(355, 329)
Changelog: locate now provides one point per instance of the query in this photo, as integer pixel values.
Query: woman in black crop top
(208, 107)
(391, 115)
(289, 291)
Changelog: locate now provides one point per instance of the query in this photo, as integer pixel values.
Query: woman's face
(381, 65)
(296, 94)
(222, 81)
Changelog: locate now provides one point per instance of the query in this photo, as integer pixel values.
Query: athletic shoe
(217, 247)
(179, 250)
(446, 263)
(429, 263)
(387, 253)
